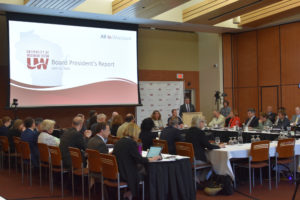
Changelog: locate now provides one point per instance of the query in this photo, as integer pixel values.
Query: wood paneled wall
(262, 68)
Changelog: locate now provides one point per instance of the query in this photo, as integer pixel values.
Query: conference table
(169, 178)
(220, 158)
(224, 134)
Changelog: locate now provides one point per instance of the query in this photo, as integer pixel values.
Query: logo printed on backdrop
(37, 59)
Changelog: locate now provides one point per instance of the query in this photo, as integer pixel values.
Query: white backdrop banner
(159, 95)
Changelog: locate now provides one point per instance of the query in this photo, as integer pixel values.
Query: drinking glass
(252, 138)
(235, 140)
(240, 139)
(257, 138)
(217, 140)
(230, 141)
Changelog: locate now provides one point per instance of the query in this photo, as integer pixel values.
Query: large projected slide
(58, 65)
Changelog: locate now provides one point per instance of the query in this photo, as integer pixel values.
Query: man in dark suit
(171, 134)
(200, 143)
(283, 121)
(270, 115)
(73, 138)
(186, 107)
(252, 120)
(30, 135)
(98, 141)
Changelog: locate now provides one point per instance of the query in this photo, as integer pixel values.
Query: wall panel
(227, 61)
(290, 98)
(290, 48)
(268, 55)
(269, 97)
(247, 98)
(247, 60)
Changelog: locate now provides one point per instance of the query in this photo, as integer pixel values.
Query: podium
(187, 117)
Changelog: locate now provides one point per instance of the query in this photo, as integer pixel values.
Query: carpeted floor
(11, 188)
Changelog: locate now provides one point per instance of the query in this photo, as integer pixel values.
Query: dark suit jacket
(70, 138)
(147, 139)
(283, 123)
(272, 117)
(3, 131)
(200, 143)
(127, 155)
(183, 109)
(171, 135)
(93, 128)
(31, 137)
(96, 143)
(253, 123)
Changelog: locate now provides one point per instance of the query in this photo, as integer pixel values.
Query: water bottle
(240, 137)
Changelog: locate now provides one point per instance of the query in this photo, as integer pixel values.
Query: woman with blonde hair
(45, 137)
(132, 130)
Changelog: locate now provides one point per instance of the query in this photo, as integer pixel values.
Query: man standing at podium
(186, 107)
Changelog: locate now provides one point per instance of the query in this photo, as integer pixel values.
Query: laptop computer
(154, 151)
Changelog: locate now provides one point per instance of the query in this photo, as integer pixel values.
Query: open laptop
(154, 151)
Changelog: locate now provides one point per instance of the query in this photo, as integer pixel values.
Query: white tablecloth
(220, 158)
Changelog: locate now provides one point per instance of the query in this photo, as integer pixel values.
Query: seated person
(113, 114)
(171, 134)
(117, 121)
(15, 131)
(5, 123)
(30, 135)
(175, 116)
(100, 118)
(296, 118)
(132, 130)
(128, 158)
(264, 121)
(146, 134)
(283, 121)
(73, 138)
(200, 142)
(270, 115)
(128, 119)
(156, 117)
(45, 137)
(225, 111)
(98, 141)
(233, 120)
(218, 120)
(252, 120)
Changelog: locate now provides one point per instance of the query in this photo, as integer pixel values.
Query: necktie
(187, 108)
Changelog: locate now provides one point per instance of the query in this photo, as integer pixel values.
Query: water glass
(217, 140)
(252, 138)
(230, 142)
(235, 140)
(257, 138)
(240, 139)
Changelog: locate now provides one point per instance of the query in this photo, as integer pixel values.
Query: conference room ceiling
(217, 16)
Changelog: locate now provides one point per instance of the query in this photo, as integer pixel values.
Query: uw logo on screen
(37, 59)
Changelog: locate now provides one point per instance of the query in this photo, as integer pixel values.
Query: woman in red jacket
(234, 120)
